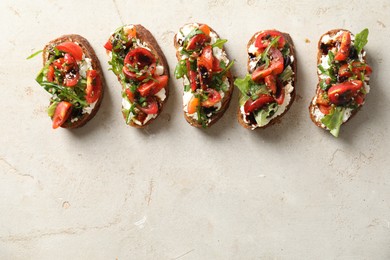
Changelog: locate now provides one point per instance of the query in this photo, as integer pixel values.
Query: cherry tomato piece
(276, 65)
(130, 95)
(142, 62)
(153, 86)
(270, 82)
(71, 48)
(347, 70)
(192, 76)
(325, 109)
(343, 92)
(197, 41)
(50, 73)
(61, 114)
(71, 78)
(94, 86)
(193, 105)
(213, 97)
(251, 105)
(151, 106)
(343, 51)
(264, 39)
(205, 28)
(108, 45)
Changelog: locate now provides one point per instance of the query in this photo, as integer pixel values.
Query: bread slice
(227, 95)
(145, 37)
(293, 65)
(315, 114)
(89, 52)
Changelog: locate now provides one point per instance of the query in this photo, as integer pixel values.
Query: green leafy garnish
(249, 89)
(52, 108)
(181, 69)
(330, 58)
(266, 112)
(34, 54)
(219, 43)
(334, 120)
(286, 74)
(264, 55)
(361, 39)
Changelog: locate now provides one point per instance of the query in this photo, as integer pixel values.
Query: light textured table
(171, 191)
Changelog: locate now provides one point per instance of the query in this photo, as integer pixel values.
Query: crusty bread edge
(289, 40)
(90, 53)
(226, 99)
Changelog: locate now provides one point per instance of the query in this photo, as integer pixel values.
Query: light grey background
(171, 191)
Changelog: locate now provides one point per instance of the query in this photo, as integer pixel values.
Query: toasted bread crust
(312, 107)
(289, 40)
(146, 36)
(90, 53)
(226, 99)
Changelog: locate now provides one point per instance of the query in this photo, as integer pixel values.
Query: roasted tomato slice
(139, 63)
(347, 70)
(360, 97)
(94, 86)
(130, 95)
(343, 51)
(205, 66)
(71, 78)
(270, 82)
(197, 41)
(61, 114)
(325, 109)
(264, 39)
(153, 86)
(108, 45)
(276, 65)
(50, 73)
(193, 105)
(251, 105)
(205, 28)
(192, 76)
(150, 106)
(342, 93)
(213, 97)
(71, 48)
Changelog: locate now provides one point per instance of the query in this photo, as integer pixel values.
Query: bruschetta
(343, 76)
(268, 90)
(143, 72)
(205, 68)
(72, 74)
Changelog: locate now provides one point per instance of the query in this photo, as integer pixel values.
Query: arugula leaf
(181, 69)
(116, 63)
(264, 55)
(66, 93)
(34, 54)
(361, 39)
(243, 84)
(286, 74)
(249, 89)
(264, 113)
(323, 85)
(334, 120)
(330, 58)
(194, 32)
(219, 43)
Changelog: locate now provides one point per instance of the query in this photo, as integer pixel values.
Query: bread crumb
(307, 40)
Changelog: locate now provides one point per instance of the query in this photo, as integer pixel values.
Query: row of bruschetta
(73, 76)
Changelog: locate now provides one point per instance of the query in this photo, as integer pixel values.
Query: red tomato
(264, 39)
(270, 82)
(193, 105)
(280, 98)
(213, 98)
(58, 63)
(108, 45)
(343, 92)
(357, 68)
(276, 65)
(321, 100)
(139, 58)
(192, 76)
(204, 28)
(130, 95)
(71, 79)
(216, 66)
(94, 86)
(131, 32)
(360, 98)
(197, 41)
(343, 52)
(50, 73)
(61, 114)
(251, 105)
(71, 48)
(206, 58)
(151, 106)
(325, 109)
(152, 87)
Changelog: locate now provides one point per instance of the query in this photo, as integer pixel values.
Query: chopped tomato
(61, 114)
(50, 73)
(58, 63)
(321, 100)
(205, 28)
(108, 45)
(131, 33)
(150, 107)
(343, 52)
(197, 41)
(94, 86)
(347, 70)
(130, 95)
(325, 109)
(264, 39)
(153, 86)
(193, 105)
(251, 105)
(71, 78)
(206, 58)
(213, 97)
(71, 48)
(280, 97)
(139, 63)
(276, 65)
(270, 82)
(343, 92)
(360, 98)
(216, 66)
(192, 76)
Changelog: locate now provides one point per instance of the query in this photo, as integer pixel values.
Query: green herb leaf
(181, 69)
(323, 85)
(286, 74)
(243, 84)
(51, 109)
(334, 120)
(361, 39)
(330, 57)
(219, 43)
(265, 112)
(34, 54)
